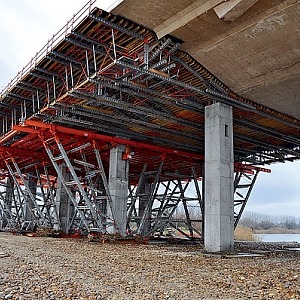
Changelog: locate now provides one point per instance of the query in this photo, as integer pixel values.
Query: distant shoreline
(277, 231)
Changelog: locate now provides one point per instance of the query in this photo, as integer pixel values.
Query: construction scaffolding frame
(102, 81)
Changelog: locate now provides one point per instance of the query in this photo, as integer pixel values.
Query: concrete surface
(257, 55)
(219, 220)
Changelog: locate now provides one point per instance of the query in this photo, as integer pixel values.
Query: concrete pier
(118, 186)
(219, 169)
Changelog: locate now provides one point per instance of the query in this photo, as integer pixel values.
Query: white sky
(25, 27)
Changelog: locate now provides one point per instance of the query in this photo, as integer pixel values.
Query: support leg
(9, 189)
(143, 202)
(118, 186)
(63, 201)
(32, 185)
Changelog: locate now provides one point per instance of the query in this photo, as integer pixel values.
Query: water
(279, 237)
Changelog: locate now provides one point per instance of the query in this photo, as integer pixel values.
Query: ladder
(87, 187)
(243, 184)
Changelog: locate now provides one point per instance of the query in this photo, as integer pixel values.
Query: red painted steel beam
(251, 168)
(8, 136)
(15, 152)
(40, 128)
(101, 137)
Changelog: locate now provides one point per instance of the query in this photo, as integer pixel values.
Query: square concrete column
(118, 187)
(219, 171)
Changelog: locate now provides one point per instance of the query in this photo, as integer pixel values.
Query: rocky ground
(48, 268)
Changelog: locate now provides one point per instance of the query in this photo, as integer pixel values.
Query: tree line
(258, 221)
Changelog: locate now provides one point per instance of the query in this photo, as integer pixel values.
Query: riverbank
(278, 230)
(47, 268)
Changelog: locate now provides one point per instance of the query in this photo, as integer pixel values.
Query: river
(279, 237)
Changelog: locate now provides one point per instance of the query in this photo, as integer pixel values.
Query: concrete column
(63, 201)
(29, 207)
(145, 192)
(219, 168)
(118, 186)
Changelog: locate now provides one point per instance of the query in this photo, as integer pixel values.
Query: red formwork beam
(40, 128)
(250, 168)
(16, 152)
(8, 136)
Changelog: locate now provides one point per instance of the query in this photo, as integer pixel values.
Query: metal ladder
(89, 197)
(243, 184)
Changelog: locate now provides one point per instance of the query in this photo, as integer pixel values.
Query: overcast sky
(26, 25)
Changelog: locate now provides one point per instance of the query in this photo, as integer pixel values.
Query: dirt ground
(48, 268)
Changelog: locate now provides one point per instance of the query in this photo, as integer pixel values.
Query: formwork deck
(111, 76)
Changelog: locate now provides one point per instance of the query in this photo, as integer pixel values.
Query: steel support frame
(27, 201)
(88, 187)
(166, 206)
(97, 70)
(8, 213)
(88, 191)
(243, 185)
(26, 209)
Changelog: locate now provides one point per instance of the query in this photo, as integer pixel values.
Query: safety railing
(62, 33)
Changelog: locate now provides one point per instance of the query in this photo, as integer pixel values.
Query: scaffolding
(102, 81)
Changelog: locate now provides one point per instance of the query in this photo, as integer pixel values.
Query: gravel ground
(47, 268)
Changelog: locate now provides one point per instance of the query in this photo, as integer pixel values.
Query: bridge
(115, 124)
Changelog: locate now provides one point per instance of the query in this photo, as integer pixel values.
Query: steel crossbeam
(101, 137)
(117, 27)
(211, 94)
(97, 115)
(268, 131)
(143, 92)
